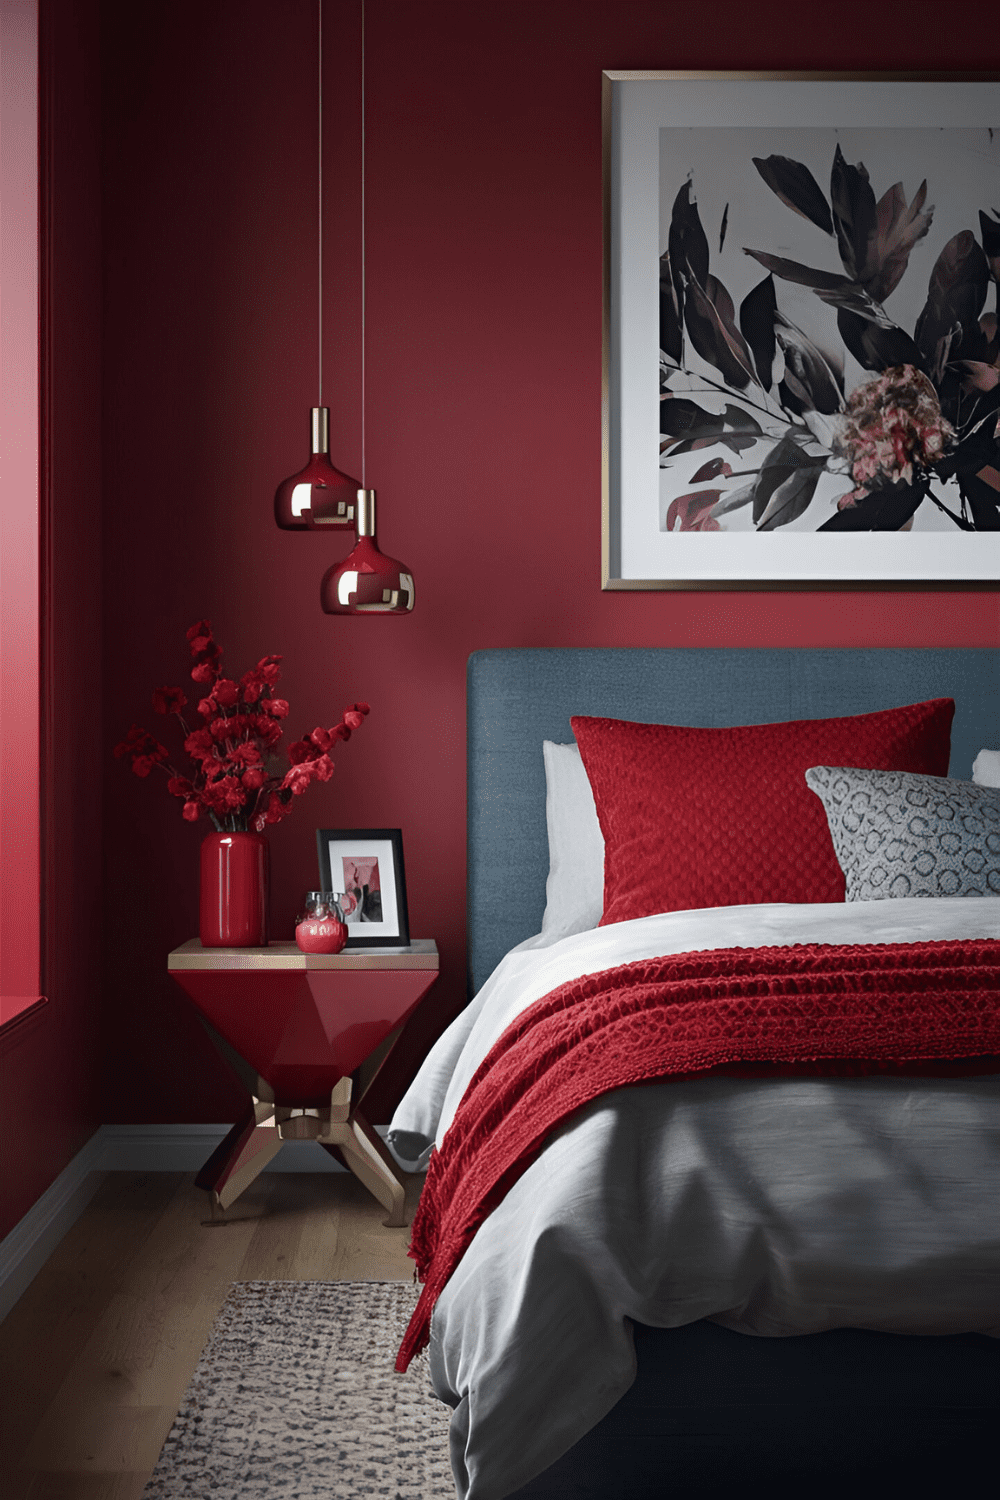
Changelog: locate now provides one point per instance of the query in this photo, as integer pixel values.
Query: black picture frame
(390, 928)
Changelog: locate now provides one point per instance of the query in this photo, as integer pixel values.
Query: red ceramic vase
(234, 890)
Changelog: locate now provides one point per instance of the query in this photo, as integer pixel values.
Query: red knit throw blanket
(803, 1009)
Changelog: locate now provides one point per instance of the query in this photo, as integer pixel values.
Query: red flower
(225, 795)
(168, 700)
(277, 808)
(199, 745)
(241, 724)
(134, 742)
(298, 778)
(247, 754)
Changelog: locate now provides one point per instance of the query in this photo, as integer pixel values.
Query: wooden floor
(97, 1354)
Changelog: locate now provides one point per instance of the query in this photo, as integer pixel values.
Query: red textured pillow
(723, 817)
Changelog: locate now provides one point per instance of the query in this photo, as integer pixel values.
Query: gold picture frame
(755, 147)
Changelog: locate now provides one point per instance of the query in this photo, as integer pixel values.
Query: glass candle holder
(321, 927)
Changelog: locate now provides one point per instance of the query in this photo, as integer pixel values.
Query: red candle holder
(321, 927)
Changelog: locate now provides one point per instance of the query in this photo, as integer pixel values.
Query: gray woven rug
(295, 1398)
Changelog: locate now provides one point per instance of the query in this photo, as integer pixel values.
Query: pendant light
(366, 582)
(319, 494)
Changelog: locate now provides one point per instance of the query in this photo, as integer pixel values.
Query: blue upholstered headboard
(518, 698)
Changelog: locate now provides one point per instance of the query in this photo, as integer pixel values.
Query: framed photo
(366, 866)
(801, 355)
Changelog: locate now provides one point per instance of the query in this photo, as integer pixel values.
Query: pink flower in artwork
(891, 427)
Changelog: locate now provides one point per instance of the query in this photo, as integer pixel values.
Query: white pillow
(574, 891)
(986, 768)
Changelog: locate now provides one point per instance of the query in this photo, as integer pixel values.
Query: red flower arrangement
(239, 780)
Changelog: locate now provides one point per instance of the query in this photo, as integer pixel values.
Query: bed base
(846, 1413)
(712, 1412)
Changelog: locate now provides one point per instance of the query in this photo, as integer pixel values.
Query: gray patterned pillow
(897, 834)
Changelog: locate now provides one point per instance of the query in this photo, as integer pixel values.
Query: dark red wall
(483, 411)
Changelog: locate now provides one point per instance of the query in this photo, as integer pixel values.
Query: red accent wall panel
(50, 1058)
(20, 980)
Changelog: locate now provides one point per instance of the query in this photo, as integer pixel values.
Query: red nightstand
(306, 1033)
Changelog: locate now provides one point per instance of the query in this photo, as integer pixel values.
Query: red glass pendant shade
(367, 582)
(318, 495)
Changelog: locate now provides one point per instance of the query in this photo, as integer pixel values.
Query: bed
(724, 1280)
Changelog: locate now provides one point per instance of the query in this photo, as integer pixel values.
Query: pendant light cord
(363, 471)
(319, 158)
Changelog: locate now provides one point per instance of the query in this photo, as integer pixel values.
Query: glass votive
(321, 927)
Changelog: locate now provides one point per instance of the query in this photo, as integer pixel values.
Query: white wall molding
(122, 1148)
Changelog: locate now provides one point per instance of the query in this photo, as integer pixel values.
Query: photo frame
(776, 246)
(366, 865)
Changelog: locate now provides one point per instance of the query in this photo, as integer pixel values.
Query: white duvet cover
(773, 1206)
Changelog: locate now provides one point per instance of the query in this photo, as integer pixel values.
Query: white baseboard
(122, 1148)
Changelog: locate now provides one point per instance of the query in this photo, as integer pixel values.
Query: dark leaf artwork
(796, 186)
(786, 483)
(855, 215)
(874, 346)
(989, 227)
(921, 427)
(817, 384)
(686, 243)
(956, 296)
(791, 270)
(981, 492)
(687, 426)
(757, 313)
(898, 227)
(886, 510)
(708, 316)
(671, 327)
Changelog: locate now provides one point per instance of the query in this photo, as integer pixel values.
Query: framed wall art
(801, 353)
(365, 866)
